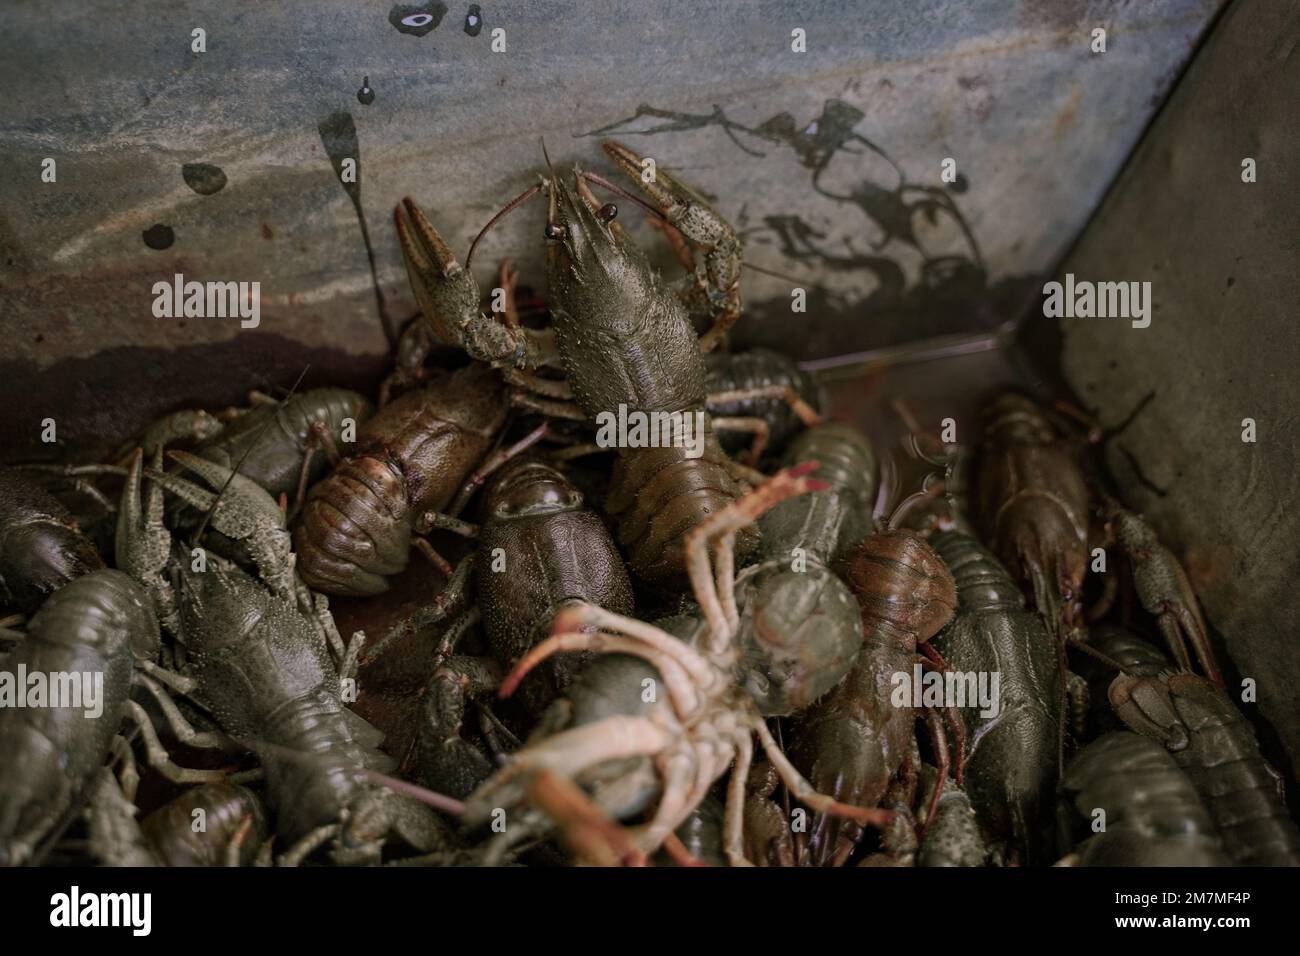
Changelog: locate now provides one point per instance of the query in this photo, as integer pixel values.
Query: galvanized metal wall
(1223, 259)
(828, 160)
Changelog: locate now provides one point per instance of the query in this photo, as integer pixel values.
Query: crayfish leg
(585, 828)
(714, 588)
(803, 790)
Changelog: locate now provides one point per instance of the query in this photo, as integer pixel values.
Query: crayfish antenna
(416, 792)
(552, 180)
(547, 156)
(506, 210)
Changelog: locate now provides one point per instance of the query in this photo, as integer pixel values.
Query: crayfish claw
(1147, 706)
(240, 509)
(448, 296)
(421, 243)
(1166, 593)
(142, 542)
(671, 197)
(446, 292)
(717, 272)
(241, 490)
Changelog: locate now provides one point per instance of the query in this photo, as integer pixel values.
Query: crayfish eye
(607, 213)
(554, 230)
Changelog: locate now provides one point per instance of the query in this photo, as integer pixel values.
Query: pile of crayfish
(745, 643)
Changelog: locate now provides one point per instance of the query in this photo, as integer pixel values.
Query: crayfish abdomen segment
(95, 624)
(1011, 775)
(658, 495)
(852, 742)
(41, 548)
(311, 767)
(438, 434)
(355, 529)
(1032, 506)
(899, 580)
(1223, 759)
(1154, 815)
(226, 807)
(413, 456)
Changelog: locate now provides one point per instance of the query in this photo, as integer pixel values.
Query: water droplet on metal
(159, 236)
(417, 19)
(204, 178)
(474, 20)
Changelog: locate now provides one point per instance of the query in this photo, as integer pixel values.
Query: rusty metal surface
(1223, 257)
(828, 160)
